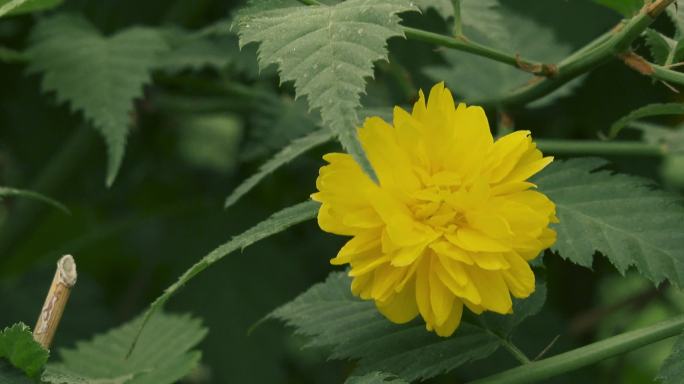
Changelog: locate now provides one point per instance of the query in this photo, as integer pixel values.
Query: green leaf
(625, 7)
(19, 348)
(646, 111)
(12, 375)
(53, 376)
(620, 216)
(375, 378)
(354, 329)
(659, 45)
(100, 76)
(17, 7)
(293, 150)
(328, 51)
(677, 16)
(164, 354)
(476, 78)
(8, 192)
(276, 223)
(672, 370)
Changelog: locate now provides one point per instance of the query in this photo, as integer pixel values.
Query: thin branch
(646, 68)
(461, 43)
(593, 55)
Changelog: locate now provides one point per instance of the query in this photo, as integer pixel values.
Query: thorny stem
(461, 43)
(591, 56)
(655, 71)
(551, 77)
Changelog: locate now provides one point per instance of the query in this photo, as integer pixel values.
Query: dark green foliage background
(165, 209)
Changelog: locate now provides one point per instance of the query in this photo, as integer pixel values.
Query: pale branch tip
(55, 301)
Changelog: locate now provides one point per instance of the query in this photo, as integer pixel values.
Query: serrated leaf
(659, 45)
(19, 348)
(354, 329)
(677, 16)
(375, 378)
(17, 7)
(646, 111)
(477, 78)
(276, 223)
(328, 53)
(163, 355)
(625, 7)
(292, 151)
(97, 75)
(622, 217)
(672, 370)
(9, 192)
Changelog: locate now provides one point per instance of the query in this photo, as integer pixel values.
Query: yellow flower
(453, 221)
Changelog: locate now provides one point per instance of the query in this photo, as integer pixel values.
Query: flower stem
(553, 366)
(599, 147)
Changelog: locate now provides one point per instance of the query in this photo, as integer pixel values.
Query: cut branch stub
(57, 297)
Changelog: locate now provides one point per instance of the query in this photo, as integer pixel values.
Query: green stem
(591, 56)
(515, 351)
(458, 23)
(587, 355)
(599, 147)
(463, 44)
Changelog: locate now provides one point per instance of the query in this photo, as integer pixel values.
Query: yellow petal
(476, 241)
(400, 308)
(453, 320)
(493, 290)
(519, 278)
(407, 255)
(441, 299)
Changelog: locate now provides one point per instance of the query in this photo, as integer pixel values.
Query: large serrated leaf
(672, 370)
(328, 51)
(354, 329)
(287, 154)
(646, 111)
(163, 355)
(97, 75)
(622, 217)
(276, 223)
(19, 348)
